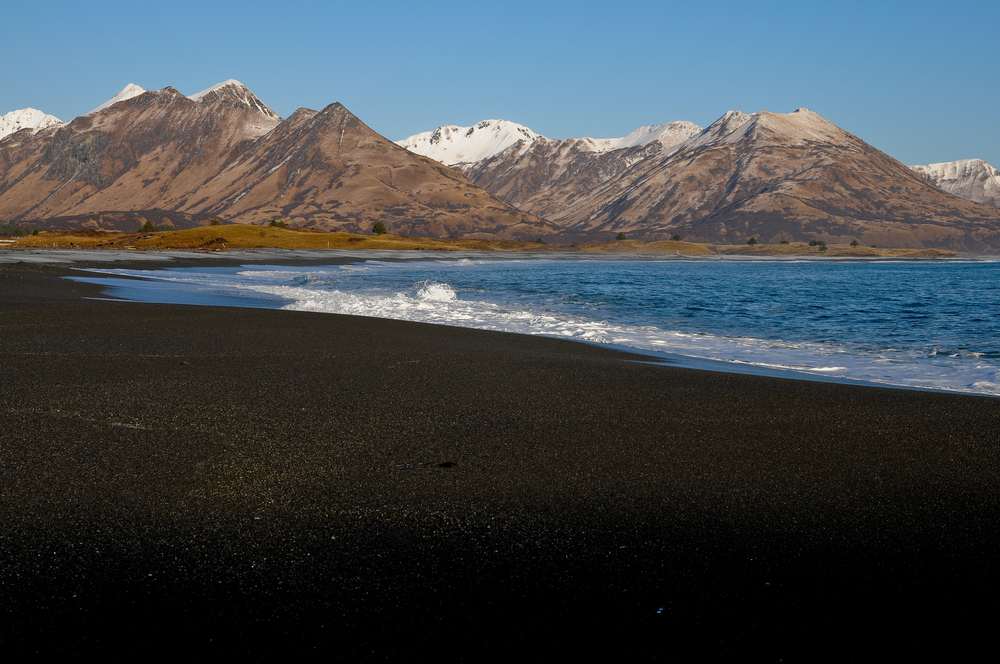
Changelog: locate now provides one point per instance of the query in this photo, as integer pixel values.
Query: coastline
(219, 480)
(129, 289)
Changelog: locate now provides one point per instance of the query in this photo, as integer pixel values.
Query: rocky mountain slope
(223, 152)
(26, 118)
(971, 179)
(770, 176)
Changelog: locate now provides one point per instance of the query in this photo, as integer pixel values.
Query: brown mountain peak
(235, 95)
(221, 153)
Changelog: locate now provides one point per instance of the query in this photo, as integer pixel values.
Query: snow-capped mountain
(454, 145)
(971, 179)
(231, 90)
(26, 118)
(128, 92)
(237, 93)
(460, 145)
(164, 156)
(772, 176)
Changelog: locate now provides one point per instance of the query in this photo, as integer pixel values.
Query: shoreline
(85, 259)
(243, 237)
(201, 480)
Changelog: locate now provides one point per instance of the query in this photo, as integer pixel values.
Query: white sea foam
(434, 302)
(355, 290)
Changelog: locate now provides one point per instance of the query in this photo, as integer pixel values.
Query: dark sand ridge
(207, 480)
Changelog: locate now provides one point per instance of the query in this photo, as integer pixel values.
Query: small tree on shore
(752, 241)
(379, 228)
(677, 237)
(620, 237)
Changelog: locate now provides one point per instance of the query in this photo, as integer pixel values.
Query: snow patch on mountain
(128, 92)
(668, 135)
(971, 179)
(26, 118)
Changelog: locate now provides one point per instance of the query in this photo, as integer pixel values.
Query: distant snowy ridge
(26, 118)
(454, 145)
(459, 145)
(128, 92)
(971, 179)
(668, 135)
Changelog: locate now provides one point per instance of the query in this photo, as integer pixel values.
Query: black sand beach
(202, 481)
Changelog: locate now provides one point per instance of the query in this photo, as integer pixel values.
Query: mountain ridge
(771, 176)
(971, 179)
(227, 154)
(453, 145)
(26, 118)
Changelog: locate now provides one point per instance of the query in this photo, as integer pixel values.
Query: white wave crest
(436, 292)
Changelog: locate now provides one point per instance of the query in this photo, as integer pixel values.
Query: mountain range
(770, 176)
(224, 153)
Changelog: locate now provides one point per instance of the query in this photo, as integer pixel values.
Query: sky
(917, 80)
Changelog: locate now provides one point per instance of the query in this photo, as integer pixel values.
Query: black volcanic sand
(201, 481)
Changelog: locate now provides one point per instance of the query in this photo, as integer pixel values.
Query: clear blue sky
(918, 80)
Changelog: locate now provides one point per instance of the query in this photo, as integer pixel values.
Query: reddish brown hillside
(771, 176)
(227, 154)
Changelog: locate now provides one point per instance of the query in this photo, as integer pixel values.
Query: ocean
(916, 324)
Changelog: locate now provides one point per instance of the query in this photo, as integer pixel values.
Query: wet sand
(203, 481)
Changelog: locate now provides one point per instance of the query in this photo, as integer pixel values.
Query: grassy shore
(199, 481)
(221, 238)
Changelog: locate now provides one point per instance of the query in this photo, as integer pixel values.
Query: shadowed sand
(199, 480)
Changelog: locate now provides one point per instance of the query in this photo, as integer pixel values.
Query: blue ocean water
(926, 324)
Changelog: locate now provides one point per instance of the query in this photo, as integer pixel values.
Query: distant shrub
(752, 241)
(874, 247)
(822, 247)
(35, 231)
(215, 222)
(620, 237)
(784, 242)
(539, 241)
(278, 223)
(10, 229)
(854, 243)
(379, 228)
(813, 243)
(150, 227)
(677, 237)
